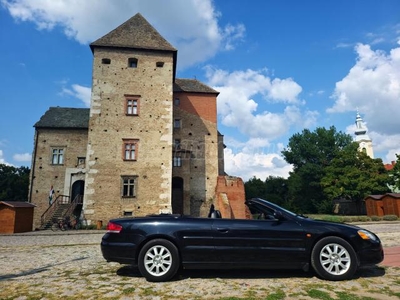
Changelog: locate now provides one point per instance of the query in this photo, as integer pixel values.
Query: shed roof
(135, 33)
(192, 86)
(64, 117)
(17, 204)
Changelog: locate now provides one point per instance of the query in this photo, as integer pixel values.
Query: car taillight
(113, 227)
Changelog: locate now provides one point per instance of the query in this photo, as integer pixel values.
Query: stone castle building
(148, 144)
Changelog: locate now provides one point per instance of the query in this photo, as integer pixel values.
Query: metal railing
(48, 214)
(74, 203)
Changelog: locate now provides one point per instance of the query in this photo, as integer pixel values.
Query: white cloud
(194, 30)
(238, 107)
(24, 157)
(3, 160)
(81, 92)
(373, 86)
(258, 164)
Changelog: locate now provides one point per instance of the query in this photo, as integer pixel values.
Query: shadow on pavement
(366, 272)
(37, 270)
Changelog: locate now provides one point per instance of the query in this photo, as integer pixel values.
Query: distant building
(148, 144)
(362, 138)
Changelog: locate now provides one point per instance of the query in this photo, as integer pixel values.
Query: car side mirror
(278, 215)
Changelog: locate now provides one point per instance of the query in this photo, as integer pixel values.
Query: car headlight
(366, 235)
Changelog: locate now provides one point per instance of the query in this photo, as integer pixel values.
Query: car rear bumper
(123, 253)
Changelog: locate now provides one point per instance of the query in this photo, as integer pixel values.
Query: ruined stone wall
(199, 137)
(109, 125)
(44, 173)
(231, 198)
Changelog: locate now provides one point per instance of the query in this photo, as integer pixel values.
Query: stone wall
(109, 125)
(45, 174)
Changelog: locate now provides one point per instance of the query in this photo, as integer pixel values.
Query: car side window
(257, 214)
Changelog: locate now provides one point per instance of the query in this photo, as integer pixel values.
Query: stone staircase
(58, 213)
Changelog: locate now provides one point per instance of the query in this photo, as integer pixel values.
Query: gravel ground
(69, 265)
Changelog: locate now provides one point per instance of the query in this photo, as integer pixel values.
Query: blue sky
(280, 67)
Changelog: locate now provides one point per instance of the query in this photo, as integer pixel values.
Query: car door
(195, 240)
(259, 243)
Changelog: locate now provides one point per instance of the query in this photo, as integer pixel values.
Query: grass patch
(278, 295)
(317, 294)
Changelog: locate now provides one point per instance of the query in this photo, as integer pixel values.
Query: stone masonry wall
(44, 173)
(109, 125)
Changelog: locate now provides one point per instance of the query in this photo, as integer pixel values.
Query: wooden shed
(16, 216)
(380, 205)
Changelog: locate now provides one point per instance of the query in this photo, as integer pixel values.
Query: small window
(132, 62)
(177, 123)
(177, 144)
(132, 107)
(129, 186)
(177, 101)
(177, 161)
(130, 149)
(128, 213)
(81, 161)
(160, 64)
(57, 157)
(106, 61)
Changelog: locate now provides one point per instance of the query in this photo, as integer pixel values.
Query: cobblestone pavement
(69, 265)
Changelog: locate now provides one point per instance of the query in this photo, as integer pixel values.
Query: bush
(376, 218)
(390, 218)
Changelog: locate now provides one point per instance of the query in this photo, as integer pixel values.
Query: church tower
(362, 138)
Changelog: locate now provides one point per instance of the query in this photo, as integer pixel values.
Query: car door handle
(223, 230)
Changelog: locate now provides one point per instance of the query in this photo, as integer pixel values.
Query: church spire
(362, 138)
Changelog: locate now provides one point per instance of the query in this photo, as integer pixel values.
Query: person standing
(51, 195)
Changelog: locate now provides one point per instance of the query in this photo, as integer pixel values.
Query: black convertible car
(274, 238)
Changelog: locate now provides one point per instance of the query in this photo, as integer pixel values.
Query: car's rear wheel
(334, 259)
(158, 260)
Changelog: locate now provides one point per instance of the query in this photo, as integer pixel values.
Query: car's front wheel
(158, 260)
(333, 258)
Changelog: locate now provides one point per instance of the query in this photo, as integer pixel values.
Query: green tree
(254, 188)
(395, 174)
(14, 183)
(354, 175)
(310, 153)
(276, 190)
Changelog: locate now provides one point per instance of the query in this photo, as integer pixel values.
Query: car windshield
(277, 207)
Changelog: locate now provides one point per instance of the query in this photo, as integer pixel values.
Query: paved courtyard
(69, 265)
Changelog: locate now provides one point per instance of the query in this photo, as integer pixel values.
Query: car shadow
(365, 272)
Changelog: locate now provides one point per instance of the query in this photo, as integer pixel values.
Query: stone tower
(130, 125)
(362, 138)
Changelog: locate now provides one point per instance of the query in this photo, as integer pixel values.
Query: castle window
(177, 161)
(57, 156)
(160, 64)
(106, 61)
(130, 149)
(132, 62)
(177, 144)
(132, 106)
(81, 161)
(129, 186)
(177, 101)
(177, 123)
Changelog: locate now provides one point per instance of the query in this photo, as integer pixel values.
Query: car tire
(333, 258)
(158, 260)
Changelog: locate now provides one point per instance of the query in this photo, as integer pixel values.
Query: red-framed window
(130, 149)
